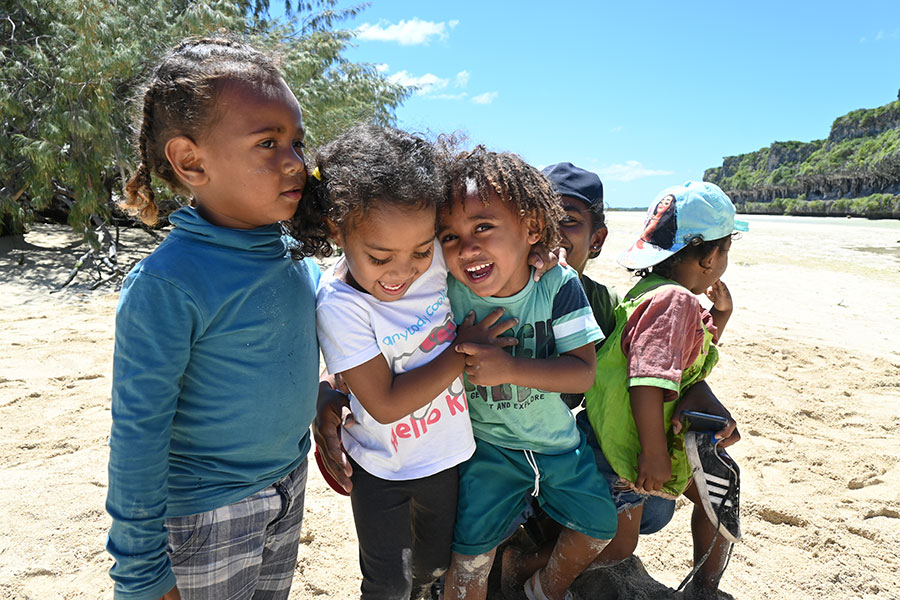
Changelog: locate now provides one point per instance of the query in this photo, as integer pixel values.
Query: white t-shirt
(355, 327)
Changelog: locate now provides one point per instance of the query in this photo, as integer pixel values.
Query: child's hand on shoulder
(719, 295)
(543, 259)
(489, 331)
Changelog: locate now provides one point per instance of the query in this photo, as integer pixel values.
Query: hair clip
(316, 173)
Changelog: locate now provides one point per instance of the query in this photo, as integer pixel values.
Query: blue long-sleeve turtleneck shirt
(215, 379)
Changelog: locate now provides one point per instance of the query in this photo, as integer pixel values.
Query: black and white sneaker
(718, 481)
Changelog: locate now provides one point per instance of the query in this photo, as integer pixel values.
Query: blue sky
(647, 94)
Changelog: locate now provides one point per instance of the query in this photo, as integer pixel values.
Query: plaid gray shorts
(246, 550)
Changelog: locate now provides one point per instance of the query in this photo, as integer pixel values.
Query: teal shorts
(496, 484)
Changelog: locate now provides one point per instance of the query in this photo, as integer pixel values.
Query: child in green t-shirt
(526, 439)
(584, 231)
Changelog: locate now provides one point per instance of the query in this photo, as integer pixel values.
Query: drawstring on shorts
(532, 462)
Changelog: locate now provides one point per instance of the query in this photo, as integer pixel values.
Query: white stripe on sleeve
(575, 325)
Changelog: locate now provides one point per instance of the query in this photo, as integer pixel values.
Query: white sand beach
(810, 368)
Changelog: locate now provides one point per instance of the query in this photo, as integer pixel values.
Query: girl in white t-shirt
(384, 324)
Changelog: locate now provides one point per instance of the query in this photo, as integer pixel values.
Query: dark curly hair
(179, 99)
(366, 166)
(514, 181)
(696, 249)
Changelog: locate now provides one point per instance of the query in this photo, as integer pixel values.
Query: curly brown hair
(363, 168)
(179, 99)
(514, 181)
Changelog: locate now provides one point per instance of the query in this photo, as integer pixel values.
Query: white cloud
(433, 87)
(424, 84)
(485, 98)
(382, 67)
(629, 171)
(459, 96)
(407, 33)
(617, 129)
(881, 36)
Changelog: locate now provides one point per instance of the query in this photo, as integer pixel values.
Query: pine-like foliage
(70, 71)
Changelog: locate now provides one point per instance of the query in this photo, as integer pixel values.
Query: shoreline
(810, 367)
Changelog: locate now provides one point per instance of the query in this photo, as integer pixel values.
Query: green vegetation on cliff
(855, 171)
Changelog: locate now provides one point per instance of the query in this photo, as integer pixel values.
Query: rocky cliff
(855, 170)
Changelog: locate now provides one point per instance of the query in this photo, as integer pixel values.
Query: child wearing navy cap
(583, 231)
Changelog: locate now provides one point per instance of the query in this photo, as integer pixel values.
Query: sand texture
(810, 367)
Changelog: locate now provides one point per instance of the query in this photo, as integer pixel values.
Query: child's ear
(706, 261)
(335, 232)
(597, 240)
(183, 155)
(535, 228)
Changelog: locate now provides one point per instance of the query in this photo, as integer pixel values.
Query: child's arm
(699, 397)
(571, 372)
(654, 466)
(330, 409)
(722, 305)
(389, 397)
(149, 360)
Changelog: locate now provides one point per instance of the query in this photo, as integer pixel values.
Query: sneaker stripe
(717, 480)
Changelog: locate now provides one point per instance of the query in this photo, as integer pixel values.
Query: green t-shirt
(603, 301)
(554, 317)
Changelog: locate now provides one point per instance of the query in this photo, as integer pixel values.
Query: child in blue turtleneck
(215, 372)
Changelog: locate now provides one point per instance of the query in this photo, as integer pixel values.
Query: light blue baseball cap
(696, 209)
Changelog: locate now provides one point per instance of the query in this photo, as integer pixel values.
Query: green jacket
(609, 404)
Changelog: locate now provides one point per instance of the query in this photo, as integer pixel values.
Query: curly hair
(512, 179)
(179, 99)
(696, 249)
(362, 169)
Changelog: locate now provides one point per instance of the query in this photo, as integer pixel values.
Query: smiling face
(249, 168)
(579, 239)
(387, 249)
(486, 245)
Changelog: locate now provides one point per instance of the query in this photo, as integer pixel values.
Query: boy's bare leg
(517, 566)
(626, 540)
(467, 577)
(703, 531)
(572, 554)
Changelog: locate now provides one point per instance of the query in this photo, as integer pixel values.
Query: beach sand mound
(810, 368)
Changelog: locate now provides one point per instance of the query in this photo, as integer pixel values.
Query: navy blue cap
(569, 180)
